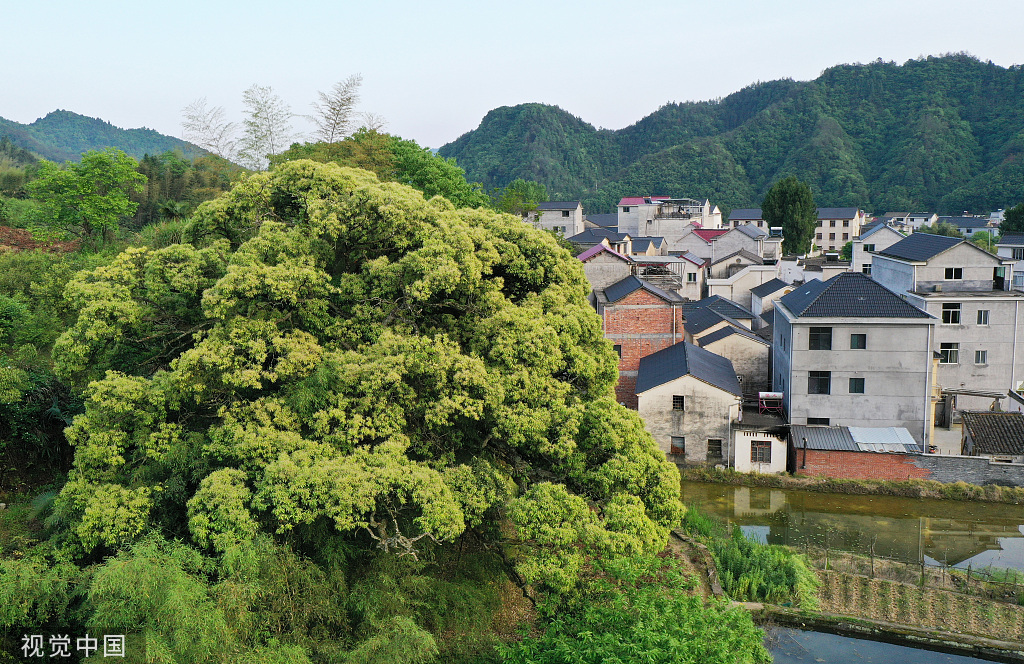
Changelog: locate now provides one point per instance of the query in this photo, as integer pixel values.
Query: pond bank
(900, 488)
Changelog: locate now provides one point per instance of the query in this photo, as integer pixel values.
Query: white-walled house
(565, 217)
(874, 237)
(850, 352)
(836, 227)
(1011, 247)
(663, 216)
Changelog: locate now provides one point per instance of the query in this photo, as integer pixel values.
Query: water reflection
(908, 529)
(790, 646)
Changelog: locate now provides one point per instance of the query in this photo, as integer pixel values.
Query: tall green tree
(1013, 220)
(941, 228)
(91, 197)
(790, 204)
(520, 197)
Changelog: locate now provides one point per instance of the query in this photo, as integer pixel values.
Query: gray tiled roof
(558, 205)
(745, 214)
(698, 320)
(728, 331)
(769, 287)
(751, 231)
(995, 433)
(753, 258)
(1011, 238)
(871, 229)
(837, 213)
(848, 294)
(684, 359)
(609, 220)
(920, 246)
(630, 284)
(966, 222)
(720, 305)
(595, 235)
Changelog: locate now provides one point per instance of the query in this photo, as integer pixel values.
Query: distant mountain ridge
(63, 135)
(938, 133)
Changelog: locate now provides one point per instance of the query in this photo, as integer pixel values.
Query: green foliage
(750, 571)
(984, 240)
(642, 610)
(790, 204)
(1013, 220)
(91, 197)
(520, 197)
(941, 228)
(846, 253)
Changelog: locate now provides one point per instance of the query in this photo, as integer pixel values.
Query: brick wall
(641, 323)
(859, 465)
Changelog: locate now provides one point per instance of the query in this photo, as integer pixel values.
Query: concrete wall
(604, 269)
(894, 275)
(555, 220)
(737, 287)
(733, 241)
(749, 359)
(708, 412)
(977, 270)
(973, 470)
(883, 238)
(743, 462)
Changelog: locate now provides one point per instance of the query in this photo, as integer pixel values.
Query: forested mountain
(937, 133)
(63, 135)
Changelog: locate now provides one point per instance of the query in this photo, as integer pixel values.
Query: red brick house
(640, 319)
(862, 453)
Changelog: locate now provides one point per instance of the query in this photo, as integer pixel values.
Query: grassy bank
(903, 488)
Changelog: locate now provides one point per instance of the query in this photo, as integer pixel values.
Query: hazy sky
(432, 70)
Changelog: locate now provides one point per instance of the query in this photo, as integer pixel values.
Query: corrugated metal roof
(823, 438)
(884, 439)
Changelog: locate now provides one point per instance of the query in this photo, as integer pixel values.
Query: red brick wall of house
(859, 465)
(641, 323)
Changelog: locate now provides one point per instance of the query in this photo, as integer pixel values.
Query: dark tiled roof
(966, 222)
(1011, 238)
(745, 214)
(995, 433)
(595, 235)
(849, 294)
(753, 258)
(751, 231)
(769, 287)
(720, 305)
(871, 229)
(693, 258)
(558, 205)
(698, 320)
(837, 213)
(684, 359)
(610, 220)
(728, 331)
(642, 243)
(597, 249)
(920, 246)
(630, 284)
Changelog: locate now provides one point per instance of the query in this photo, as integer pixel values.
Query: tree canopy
(520, 197)
(1013, 220)
(338, 360)
(790, 204)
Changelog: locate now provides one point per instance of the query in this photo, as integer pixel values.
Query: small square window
(625, 208)
(714, 448)
(856, 386)
(951, 313)
(846, 223)
(982, 316)
(677, 402)
(565, 213)
(760, 451)
(691, 277)
(949, 353)
(981, 357)
(820, 339)
(832, 223)
(846, 236)
(866, 268)
(954, 273)
(818, 236)
(869, 247)
(831, 236)
(677, 445)
(858, 341)
(819, 382)
(818, 420)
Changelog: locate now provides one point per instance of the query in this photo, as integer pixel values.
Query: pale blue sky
(434, 70)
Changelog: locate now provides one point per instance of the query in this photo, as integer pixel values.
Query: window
(618, 350)
(1018, 253)
(981, 357)
(846, 236)
(818, 420)
(819, 382)
(691, 277)
(565, 213)
(832, 223)
(820, 339)
(869, 247)
(949, 353)
(982, 316)
(858, 341)
(856, 386)
(818, 236)
(831, 236)
(714, 448)
(954, 273)
(846, 223)
(677, 445)
(677, 402)
(866, 268)
(760, 451)
(951, 313)
(625, 208)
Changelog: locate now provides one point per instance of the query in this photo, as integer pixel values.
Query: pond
(956, 533)
(793, 646)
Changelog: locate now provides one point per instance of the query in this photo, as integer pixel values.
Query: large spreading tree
(790, 204)
(338, 364)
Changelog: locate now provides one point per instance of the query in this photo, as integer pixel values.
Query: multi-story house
(836, 227)
(850, 352)
(980, 330)
(1011, 247)
(875, 236)
(565, 217)
(661, 216)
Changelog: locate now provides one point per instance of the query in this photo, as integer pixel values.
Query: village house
(565, 217)
(799, 269)
(1011, 247)
(746, 216)
(749, 354)
(662, 216)
(873, 237)
(688, 398)
(885, 453)
(639, 319)
(683, 274)
(739, 286)
(969, 225)
(999, 436)
(980, 320)
(850, 352)
(763, 297)
(836, 227)
(620, 242)
(603, 266)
